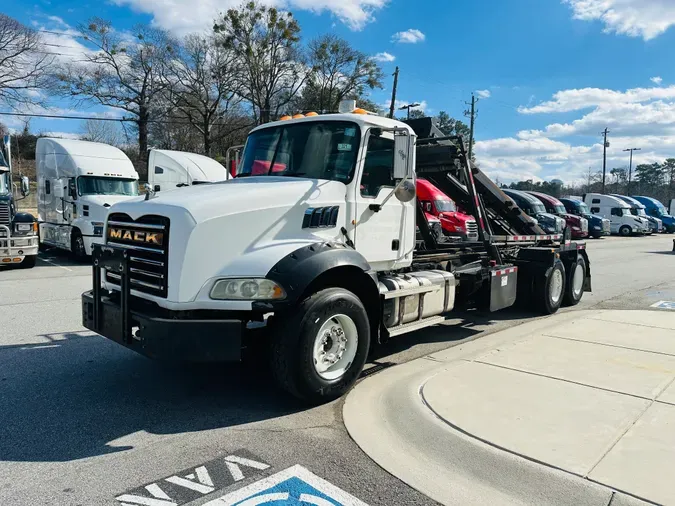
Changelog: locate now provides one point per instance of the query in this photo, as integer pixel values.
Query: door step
(416, 325)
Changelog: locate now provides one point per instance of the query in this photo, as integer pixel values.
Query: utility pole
(605, 145)
(408, 107)
(472, 113)
(393, 95)
(630, 167)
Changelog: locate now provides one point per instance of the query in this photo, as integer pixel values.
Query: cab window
(595, 210)
(378, 168)
(617, 211)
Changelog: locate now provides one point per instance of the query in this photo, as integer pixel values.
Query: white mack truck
(320, 241)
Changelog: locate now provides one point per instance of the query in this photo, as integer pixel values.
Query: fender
(24, 218)
(296, 271)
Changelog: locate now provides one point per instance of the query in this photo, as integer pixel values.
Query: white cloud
(411, 36)
(578, 99)
(483, 93)
(184, 16)
(657, 80)
(384, 57)
(641, 117)
(636, 18)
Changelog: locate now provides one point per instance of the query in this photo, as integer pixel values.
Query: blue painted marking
(295, 486)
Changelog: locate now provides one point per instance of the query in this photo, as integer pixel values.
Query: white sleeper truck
(311, 253)
(171, 170)
(78, 181)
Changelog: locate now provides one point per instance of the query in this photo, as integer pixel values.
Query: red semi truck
(438, 204)
(577, 224)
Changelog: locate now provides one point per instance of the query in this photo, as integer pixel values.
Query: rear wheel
(319, 348)
(625, 231)
(575, 282)
(549, 288)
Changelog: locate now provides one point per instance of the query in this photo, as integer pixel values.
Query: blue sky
(552, 73)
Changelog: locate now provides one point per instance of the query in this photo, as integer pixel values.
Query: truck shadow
(73, 397)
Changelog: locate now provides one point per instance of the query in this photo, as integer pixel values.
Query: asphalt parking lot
(86, 422)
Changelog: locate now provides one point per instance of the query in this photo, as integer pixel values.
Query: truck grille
(147, 240)
(471, 228)
(5, 217)
(605, 225)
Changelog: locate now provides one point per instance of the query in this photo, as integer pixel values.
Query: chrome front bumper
(15, 249)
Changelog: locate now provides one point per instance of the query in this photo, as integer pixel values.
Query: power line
(95, 118)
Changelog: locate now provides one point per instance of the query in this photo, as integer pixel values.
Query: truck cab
(638, 209)
(438, 204)
(18, 230)
(314, 244)
(551, 223)
(170, 170)
(577, 224)
(618, 213)
(78, 181)
(656, 209)
(597, 226)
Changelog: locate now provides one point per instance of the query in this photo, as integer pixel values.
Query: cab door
(386, 237)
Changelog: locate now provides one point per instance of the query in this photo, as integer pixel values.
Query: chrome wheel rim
(335, 347)
(578, 281)
(556, 286)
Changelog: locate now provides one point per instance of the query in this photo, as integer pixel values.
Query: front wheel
(575, 282)
(549, 288)
(77, 246)
(625, 231)
(319, 348)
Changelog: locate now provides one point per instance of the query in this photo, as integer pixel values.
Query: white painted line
(267, 498)
(316, 501)
(157, 492)
(197, 487)
(55, 264)
(144, 501)
(233, 462)
(664, 304)
(297, 471)
(39, 347)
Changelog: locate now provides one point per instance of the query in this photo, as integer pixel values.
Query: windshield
(538, 208)
(583, 208)
(446, 206)
(317, 150)
(4, 182)
(92, 185)
(559, 209)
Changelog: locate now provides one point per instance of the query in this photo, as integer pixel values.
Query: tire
(28, 262)
(576, 276)
(549, 289)
(77, 246)
(299, 357)
(625, 231)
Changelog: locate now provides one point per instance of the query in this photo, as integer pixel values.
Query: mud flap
(503, 287)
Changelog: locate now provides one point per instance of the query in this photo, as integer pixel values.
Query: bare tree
(338, 71)
(24, 64)
(266, 45)
(107, 132)
(203, 82)
(121, 73)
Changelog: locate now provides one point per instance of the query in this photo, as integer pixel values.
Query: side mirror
(406, 191)
(402, 156)
(25, 186)
(72, 190)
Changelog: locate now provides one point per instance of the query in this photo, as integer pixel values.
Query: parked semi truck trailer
(317, 259)
(18, 230)
(597, 225)
(171, 170)
(78, 181)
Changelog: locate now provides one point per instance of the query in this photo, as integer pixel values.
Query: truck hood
(456, 217)
(241, 227)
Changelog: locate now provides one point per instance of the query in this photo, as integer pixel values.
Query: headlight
(98, 228)
(247, 289)
(26, 228)
(595, 227)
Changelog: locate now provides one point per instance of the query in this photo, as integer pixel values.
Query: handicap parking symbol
(295, 486)
(664, 304)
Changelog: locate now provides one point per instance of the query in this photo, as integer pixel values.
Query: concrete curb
(387, 417)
